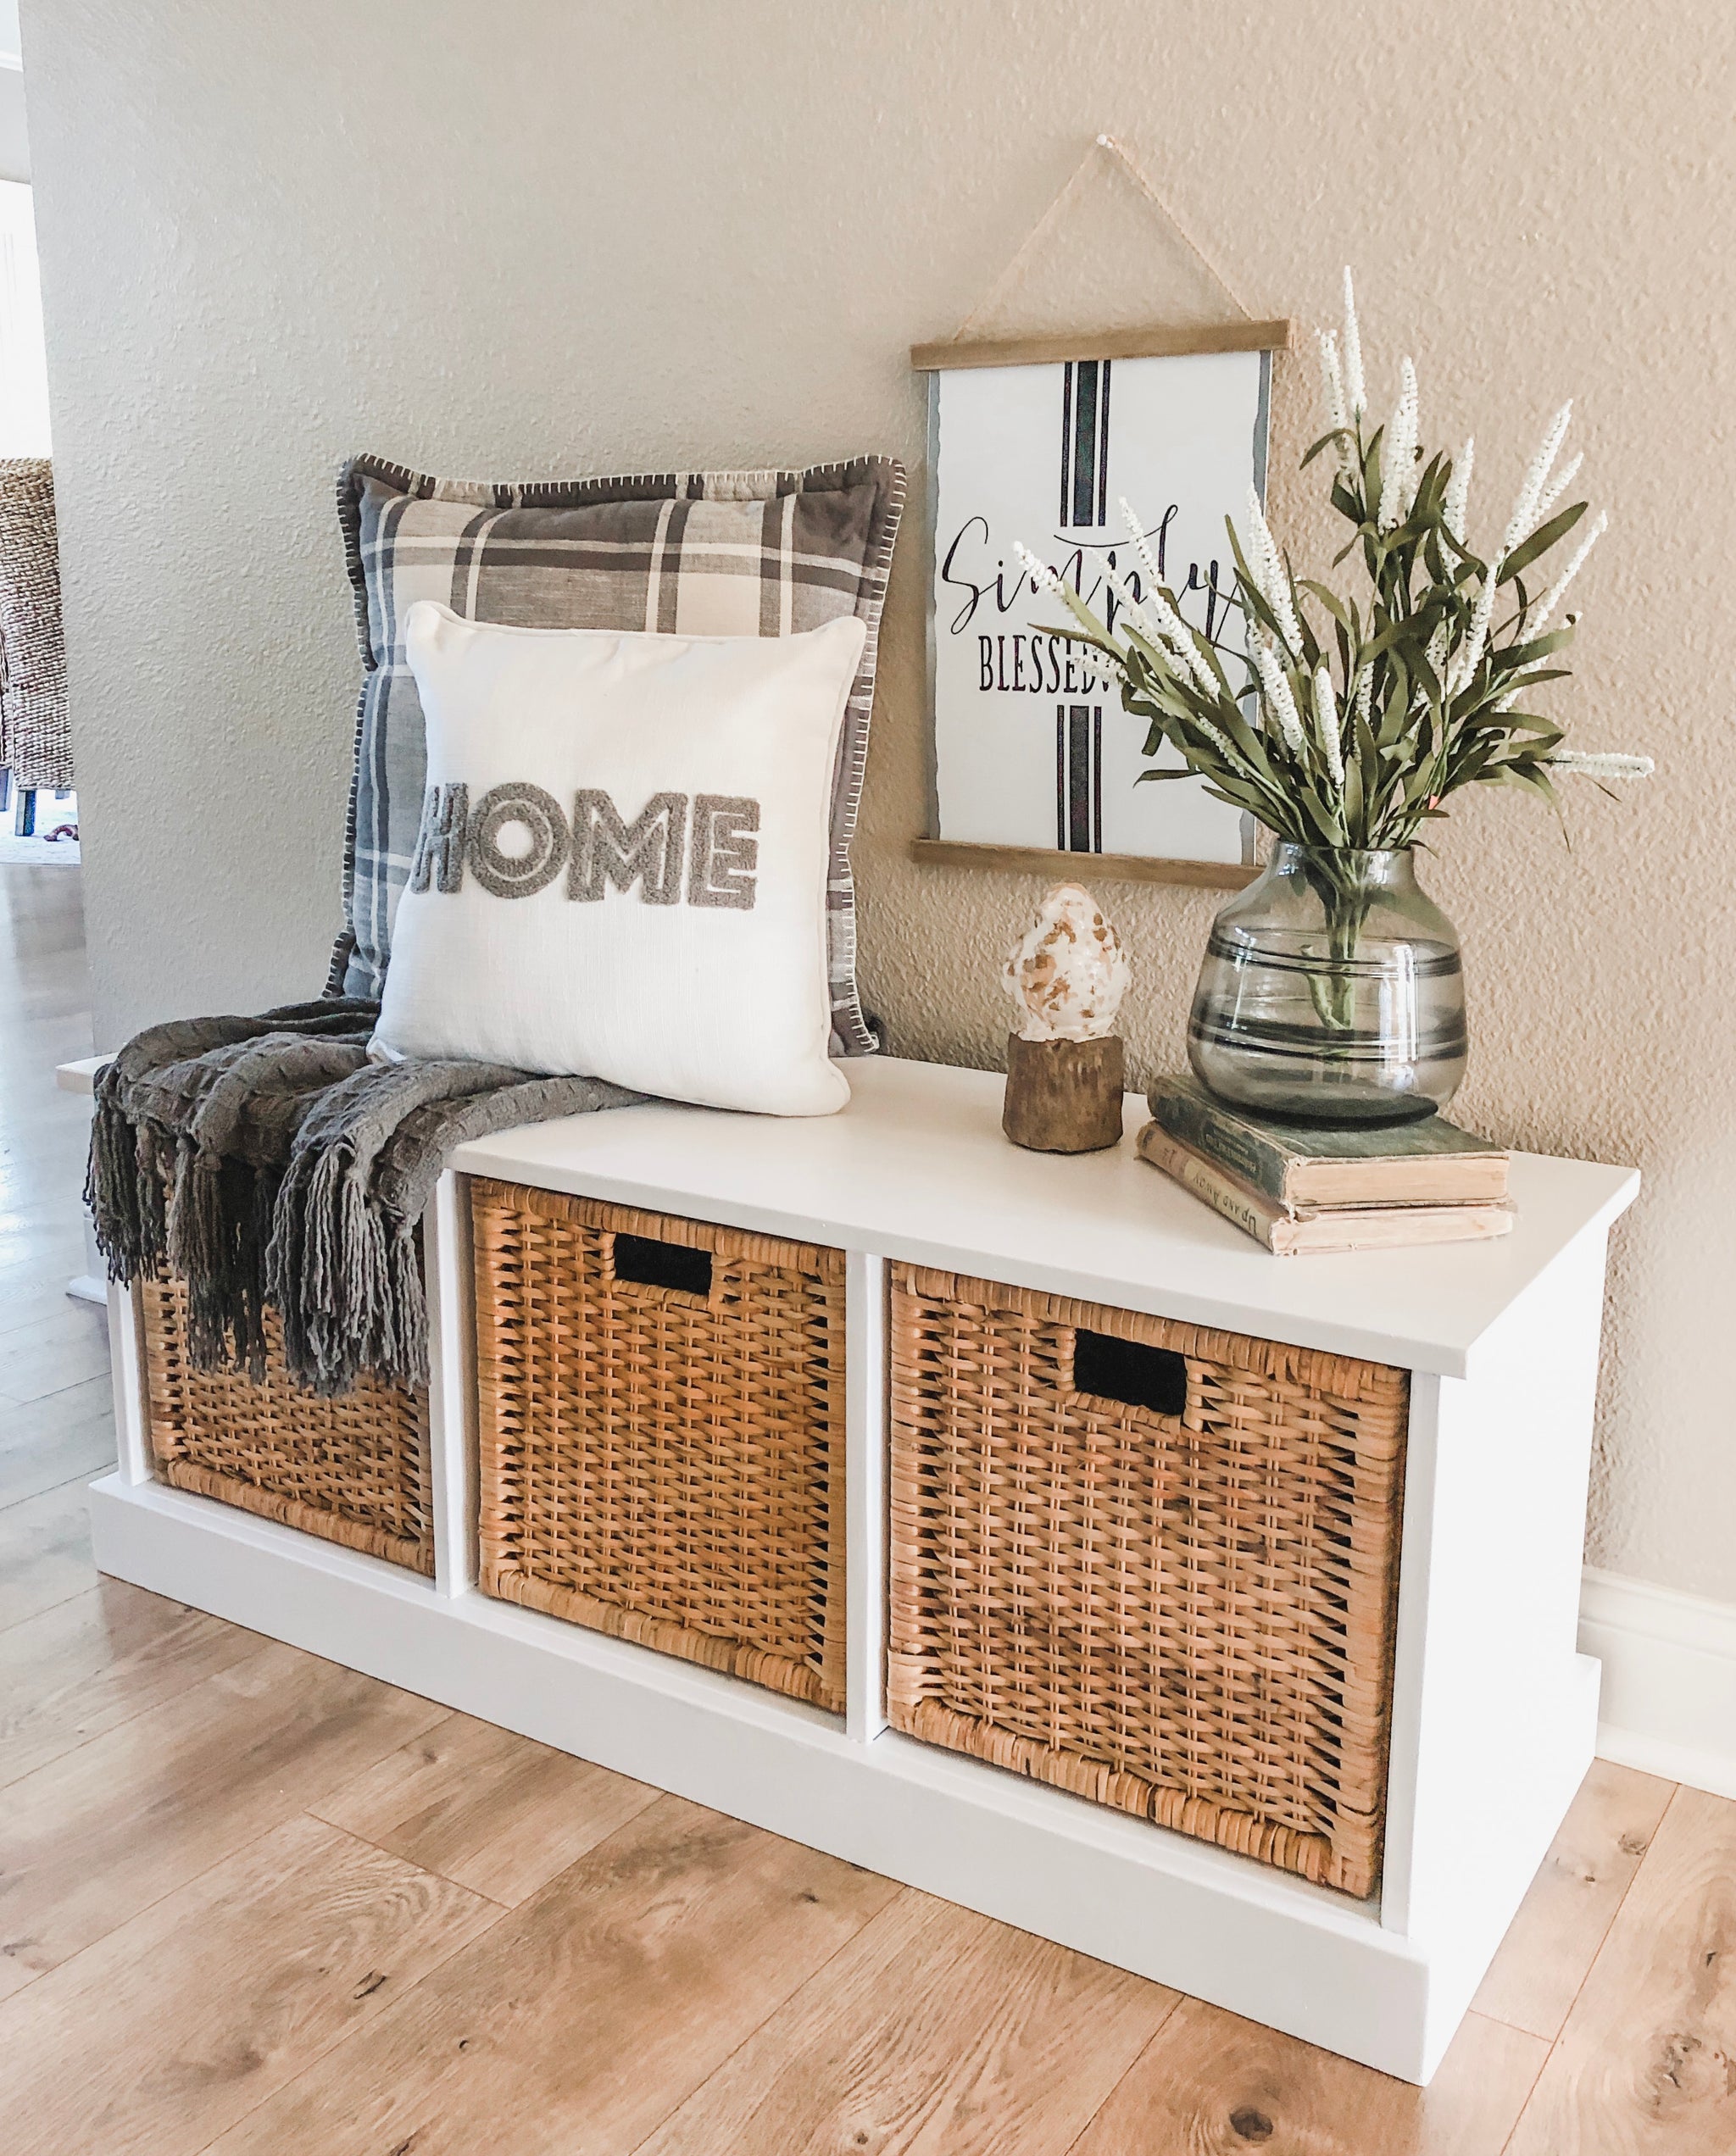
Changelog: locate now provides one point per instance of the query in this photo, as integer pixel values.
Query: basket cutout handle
(1129, 1373)
(677, 1268)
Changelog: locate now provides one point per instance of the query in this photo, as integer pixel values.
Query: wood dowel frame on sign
(1157, 342)
(1101, 868)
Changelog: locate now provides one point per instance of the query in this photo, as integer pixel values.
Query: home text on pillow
(711, 836)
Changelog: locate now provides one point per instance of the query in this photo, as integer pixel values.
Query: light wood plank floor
(250, 1901)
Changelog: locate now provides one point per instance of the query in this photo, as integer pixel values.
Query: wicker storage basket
(662, 1433)
(353, 1469)
(1147, 1563)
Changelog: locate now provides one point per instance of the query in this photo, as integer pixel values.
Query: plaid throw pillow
(718, 553)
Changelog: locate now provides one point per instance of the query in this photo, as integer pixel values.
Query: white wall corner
(1669, 1692)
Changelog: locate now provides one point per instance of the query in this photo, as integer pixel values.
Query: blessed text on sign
(704, 846)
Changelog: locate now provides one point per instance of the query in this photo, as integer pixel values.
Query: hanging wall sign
(1038, 441)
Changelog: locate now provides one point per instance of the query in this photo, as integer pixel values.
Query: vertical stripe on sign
(1067, 441)
(1103, 445)
(1079, 778)
(1097, 749)
(1084, 506)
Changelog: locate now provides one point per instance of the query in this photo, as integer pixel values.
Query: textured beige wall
(520, 238)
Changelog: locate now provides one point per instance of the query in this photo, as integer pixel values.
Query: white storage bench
(1477, 1370)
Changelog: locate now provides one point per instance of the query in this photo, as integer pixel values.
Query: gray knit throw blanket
(267, 1162)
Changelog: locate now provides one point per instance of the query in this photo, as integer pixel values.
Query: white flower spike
(1399, 475)
(1275, 684)
(1584, 765)
(1471, 653)
(1354, 389)
(1331, 380)
(1180, 639)
(1142, 546)
(1271, 577)
(1436, 657)
(1523, 520)
(1552, 598)
(1459, 489)
(1132, 604)
(1216, 737)
(1171, 630)
(1559, 485)
(1325, 714)
(1040, 573)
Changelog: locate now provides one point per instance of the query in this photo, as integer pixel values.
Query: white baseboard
(1669, 1695)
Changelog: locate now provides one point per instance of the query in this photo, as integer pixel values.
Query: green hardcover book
(1432, 1162)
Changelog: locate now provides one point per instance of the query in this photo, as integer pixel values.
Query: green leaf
(1250, 596)
(1327, 442)
(1513, 656)
(1541, 541)
(1536, 676)
(1100, 641)
(1317, 816)
(1334, 605)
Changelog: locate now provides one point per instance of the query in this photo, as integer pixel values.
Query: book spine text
(1192, 1119)
(1203, 1182)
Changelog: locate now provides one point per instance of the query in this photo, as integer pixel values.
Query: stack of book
(1299, 1187)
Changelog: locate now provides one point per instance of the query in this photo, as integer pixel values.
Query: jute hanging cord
(1105, 149)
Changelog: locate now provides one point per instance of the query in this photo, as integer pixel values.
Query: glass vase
(1332, 992)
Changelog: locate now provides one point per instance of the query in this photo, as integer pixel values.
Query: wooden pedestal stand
(1064, 1096)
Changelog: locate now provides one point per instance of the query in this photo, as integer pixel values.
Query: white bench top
(917, 1167)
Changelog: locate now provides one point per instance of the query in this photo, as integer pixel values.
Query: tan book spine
(1251, 1212)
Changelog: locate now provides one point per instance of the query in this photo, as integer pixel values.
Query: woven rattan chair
(36, 743)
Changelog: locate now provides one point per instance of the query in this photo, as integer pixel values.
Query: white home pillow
(622, 868)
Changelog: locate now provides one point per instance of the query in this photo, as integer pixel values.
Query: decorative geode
(1068, 973)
